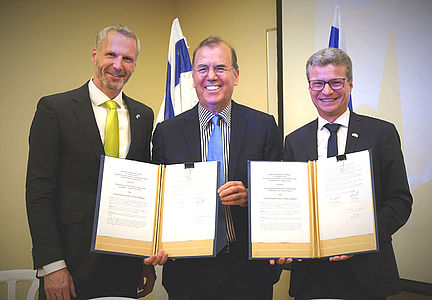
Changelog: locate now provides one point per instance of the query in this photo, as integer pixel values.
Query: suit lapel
(191, 133)
(238, 132)
(83, 112)
(354, 132)
(133, 117)
(312, 142)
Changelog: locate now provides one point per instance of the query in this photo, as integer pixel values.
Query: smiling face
(330, 103)
(214, 90)
(114, 62)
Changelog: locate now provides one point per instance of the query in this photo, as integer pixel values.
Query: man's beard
(107, 84)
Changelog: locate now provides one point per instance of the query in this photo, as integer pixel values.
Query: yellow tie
(112, 130)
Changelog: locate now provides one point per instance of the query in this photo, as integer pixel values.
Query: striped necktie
(215, 153)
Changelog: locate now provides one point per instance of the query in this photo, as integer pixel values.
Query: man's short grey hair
(330, 56)
(213, 41)
(122, 29)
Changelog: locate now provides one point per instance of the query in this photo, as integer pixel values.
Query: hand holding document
(316, 209)
(142, 208)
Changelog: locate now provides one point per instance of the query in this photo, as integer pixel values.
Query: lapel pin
(138, 116)
(354, 135)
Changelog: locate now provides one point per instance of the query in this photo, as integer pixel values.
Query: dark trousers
(228, 276)
(333, 280)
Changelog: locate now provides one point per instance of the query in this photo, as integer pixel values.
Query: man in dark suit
(362, 276)
(66, 143)
(247, 134)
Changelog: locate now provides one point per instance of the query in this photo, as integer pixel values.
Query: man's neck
(109, 93)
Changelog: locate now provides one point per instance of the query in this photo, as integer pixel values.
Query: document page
(345, 196)
(189, 205)
(127, 199)
(279, 202)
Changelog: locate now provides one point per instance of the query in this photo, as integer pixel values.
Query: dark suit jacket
(377, 272)
(62, 176)
(254, 136)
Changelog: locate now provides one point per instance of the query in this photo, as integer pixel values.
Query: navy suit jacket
(254, 136)
(62, 178)
(377, 272)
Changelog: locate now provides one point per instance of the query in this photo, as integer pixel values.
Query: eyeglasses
(335, 84)
(203, 70)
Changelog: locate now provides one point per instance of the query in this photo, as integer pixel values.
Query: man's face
(330, 103)
(114, 63)
(214, 88)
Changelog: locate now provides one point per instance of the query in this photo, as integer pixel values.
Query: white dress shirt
(323, 134)
(100, 110)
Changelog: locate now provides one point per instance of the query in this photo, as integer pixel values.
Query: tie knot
(215, 120)
(111, 104)
(332, 127)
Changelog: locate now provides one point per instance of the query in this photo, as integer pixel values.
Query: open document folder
(142, 207)
(309, 210)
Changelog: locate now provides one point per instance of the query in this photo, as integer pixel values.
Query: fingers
(340, 257)
(159, 259)
(59, 285)
(72, 287)
(281, 261)
(233, 193)
(162, 257)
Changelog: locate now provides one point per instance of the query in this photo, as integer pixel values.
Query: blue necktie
(332, 148)
(215, 153)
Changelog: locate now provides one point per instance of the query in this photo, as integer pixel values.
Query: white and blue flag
(337, 39)
(179, 92)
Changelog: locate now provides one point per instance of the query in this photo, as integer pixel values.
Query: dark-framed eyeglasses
(335, 84)
(202, 70)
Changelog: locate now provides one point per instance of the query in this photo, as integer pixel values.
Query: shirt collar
(205, 116)
(343, 120)
(98, 97)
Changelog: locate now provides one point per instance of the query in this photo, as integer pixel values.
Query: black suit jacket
(62, 175)
(377, 272)
(254, 136)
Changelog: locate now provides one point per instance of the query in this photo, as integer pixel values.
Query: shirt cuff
(52, 267)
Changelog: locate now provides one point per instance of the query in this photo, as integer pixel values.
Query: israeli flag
(337, 39)
(180, 94)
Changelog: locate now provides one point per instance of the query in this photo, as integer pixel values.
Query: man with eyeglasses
(246, 134)
(362, 276)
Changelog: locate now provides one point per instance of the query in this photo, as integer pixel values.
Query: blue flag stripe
(334, 37)
(169, 109)
(182, 63)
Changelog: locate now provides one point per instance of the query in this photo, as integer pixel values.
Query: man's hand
(145, 288)
(233, 193)
(159, 259)
(59, 285)
(280, 261)
(340, 257)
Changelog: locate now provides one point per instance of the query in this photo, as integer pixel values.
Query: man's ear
(93, 55)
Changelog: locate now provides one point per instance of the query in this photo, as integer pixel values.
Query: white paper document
(344, 194)
(142, 206)
(190, 202)
(314, 209)
(127, 200)
(279, 202)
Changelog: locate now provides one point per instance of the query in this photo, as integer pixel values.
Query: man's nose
(117, 64)
(211, 74)
(327, 90)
